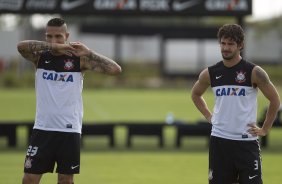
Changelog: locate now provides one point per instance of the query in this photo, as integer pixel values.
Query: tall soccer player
(234, 153)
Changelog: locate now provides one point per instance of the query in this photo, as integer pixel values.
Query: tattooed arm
(262, 81)
(91, 60)
(31, 49)
(99, 63)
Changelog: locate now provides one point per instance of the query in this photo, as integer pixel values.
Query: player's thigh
(40, 154)
(249, 163)
(68, 159)
(221, 167)
(251, 175)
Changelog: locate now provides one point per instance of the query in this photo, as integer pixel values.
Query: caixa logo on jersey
(57, 77)
(230, 92)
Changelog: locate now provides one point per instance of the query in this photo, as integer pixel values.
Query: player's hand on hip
(255, 130)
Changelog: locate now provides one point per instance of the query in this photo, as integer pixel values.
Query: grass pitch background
(115, 105)
(144, 162)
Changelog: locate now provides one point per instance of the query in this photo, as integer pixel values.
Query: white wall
(8, 46)
(191, 55)
(132, 48)
(263, 47)
(181, 55)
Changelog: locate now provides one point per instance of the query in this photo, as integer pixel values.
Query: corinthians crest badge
(210, 174)
(241, 77)
(27, 163)
(68, 64)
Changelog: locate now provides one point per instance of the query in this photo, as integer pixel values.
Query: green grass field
(144, 162)
(114, 105)
(158, 167)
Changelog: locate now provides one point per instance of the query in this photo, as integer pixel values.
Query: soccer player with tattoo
(60, 67)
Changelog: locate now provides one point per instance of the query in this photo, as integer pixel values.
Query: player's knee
(26, 180)
(65, 180)
(29, 179)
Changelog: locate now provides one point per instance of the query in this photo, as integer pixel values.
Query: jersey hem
(57, 130)
(235, 138)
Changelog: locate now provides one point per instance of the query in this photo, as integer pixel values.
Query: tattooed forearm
(39, 46)
(24, 52)
(30, 49)
(103, 67)
(103, 64)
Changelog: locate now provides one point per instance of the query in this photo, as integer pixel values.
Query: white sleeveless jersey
(58, 84)
(235, 100)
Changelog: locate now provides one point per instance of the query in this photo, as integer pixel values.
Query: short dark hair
(57, 22)
(232, 31)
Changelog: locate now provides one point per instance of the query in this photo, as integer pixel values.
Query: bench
(188, 130)
(145, 129)
(276, 124)
(9, 130)
(99, 130)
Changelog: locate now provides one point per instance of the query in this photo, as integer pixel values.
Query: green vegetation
(135, 75)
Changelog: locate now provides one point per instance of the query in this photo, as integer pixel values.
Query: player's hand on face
(255, 130)
(65, 49)
(80, 49)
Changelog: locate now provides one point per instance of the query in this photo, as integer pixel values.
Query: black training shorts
(232, 161)
(49, 147)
